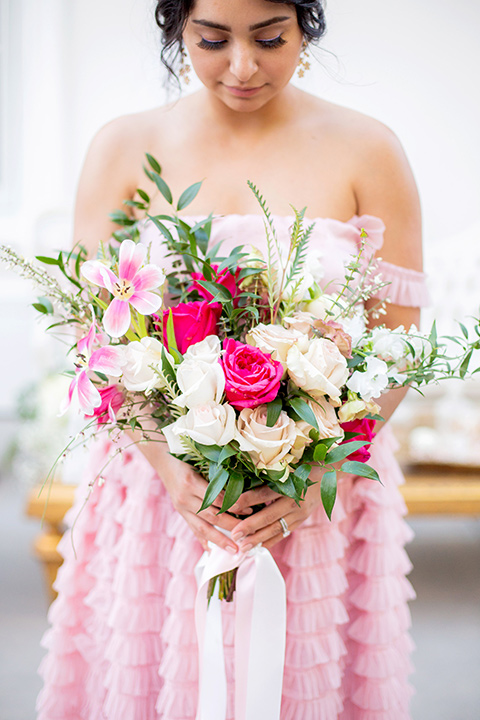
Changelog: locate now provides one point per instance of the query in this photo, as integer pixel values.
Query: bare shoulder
(382, 179)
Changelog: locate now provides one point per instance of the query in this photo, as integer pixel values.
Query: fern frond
(273, 245)
(300, 252)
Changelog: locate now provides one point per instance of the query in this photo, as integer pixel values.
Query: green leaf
(121, 218)
(215, 487)
(211, 452)
(304, 411)
(218, 291)
(233, 491)
(320, 452)
(342, 451)
(274, 409)
(227, 451)
(153, 163)
(41, 308)
(303, 471)
(167, 369)
(287, 488)
(188, 195)
(47, 260)
(143, 195)
(328, 491)
(171, 339)
(462, 371)
(358, 468)
(163, 187)
(160, 226)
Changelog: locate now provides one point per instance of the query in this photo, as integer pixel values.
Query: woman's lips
(243, 92)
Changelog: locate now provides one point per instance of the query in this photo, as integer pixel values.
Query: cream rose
(357, 409)
(324, 307)
(276, 340)
(269, 447)
(142, 363)
(322, 370)
(327, 420)
(200, 382)
(208, 424)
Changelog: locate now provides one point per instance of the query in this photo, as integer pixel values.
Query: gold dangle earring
(303, 63)
(185, 68)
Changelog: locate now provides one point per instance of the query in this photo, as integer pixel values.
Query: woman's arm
(108, 178)
(384, 186)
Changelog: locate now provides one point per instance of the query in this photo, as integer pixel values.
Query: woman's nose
(243, 64)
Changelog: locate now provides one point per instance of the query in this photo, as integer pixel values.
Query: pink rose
(225, 278)
(192, 322)
(364, 430)
(334, 332)
(112, 401)
(251, 376)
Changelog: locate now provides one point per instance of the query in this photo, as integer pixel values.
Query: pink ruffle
(406, 286)
(123, 642)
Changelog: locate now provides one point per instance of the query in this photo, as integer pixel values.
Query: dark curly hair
(171, 17)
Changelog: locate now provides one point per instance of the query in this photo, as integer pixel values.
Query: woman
(123, 642)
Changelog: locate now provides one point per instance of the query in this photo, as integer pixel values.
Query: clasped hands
(253, 528)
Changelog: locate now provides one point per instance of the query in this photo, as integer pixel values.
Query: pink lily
(131, 287)
(106, 360)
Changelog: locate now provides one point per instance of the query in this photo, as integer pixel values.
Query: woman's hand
(264, 526)
(187, 490)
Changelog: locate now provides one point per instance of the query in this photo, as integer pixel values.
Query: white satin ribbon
(260, 633)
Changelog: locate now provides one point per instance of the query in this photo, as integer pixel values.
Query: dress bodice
(332, 243)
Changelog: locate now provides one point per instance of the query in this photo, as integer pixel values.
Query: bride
(122, 642)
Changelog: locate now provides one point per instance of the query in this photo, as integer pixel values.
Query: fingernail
(238, 536)
(246, 548)
(232, 550)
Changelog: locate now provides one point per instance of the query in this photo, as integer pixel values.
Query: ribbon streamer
(260, 634)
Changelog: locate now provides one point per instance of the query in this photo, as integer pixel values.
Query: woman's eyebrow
(257, 26)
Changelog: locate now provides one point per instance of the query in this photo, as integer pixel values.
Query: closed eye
(219, 44)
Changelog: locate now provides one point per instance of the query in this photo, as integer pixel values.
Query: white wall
(414, 65)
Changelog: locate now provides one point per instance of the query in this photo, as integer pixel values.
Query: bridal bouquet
(249, 370)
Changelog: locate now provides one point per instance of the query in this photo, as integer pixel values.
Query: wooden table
(428, 490)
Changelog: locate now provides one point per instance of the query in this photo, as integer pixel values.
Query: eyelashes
(219, 44)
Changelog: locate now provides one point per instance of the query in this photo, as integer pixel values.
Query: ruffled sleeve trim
(406, 286)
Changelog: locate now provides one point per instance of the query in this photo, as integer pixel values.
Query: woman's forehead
(241, 12)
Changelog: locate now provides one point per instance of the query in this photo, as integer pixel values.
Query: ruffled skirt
(122, 640)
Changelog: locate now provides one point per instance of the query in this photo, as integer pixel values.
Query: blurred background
(66, 68)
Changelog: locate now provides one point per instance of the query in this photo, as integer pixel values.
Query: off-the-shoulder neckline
(352, 221)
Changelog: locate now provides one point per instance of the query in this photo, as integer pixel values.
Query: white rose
(371, 382)
(207, 350)
(276, 340)
(269, 447)
(208, 424)
(327, 420)
(200, 382)
(322, 370)
(142, 361)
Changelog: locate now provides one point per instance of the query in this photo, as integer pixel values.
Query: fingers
(266, 517)
(224, 520)
(208, 533)
(258, 496)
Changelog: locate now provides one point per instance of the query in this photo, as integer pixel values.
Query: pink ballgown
(122, 640)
